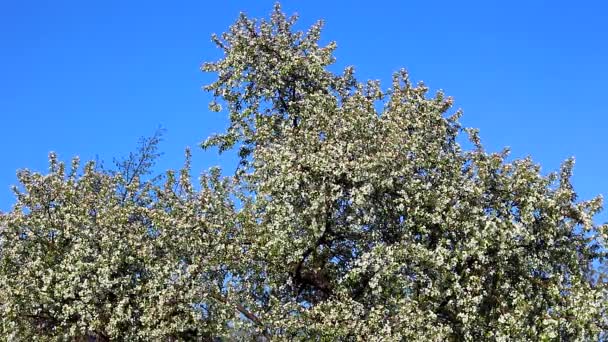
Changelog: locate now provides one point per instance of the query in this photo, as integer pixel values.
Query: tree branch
(243, 310)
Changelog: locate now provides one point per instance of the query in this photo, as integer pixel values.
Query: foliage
(355, 215)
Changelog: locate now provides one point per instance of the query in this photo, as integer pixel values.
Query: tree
(343, 222)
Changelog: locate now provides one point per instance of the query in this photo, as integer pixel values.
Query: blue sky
(88, 78)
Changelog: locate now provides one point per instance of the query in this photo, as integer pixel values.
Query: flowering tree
(343, 222)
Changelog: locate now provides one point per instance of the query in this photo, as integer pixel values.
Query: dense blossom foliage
(355, 214)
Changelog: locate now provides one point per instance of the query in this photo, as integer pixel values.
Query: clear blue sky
(88, 78)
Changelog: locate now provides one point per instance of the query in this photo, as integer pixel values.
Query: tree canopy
(355, 214)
